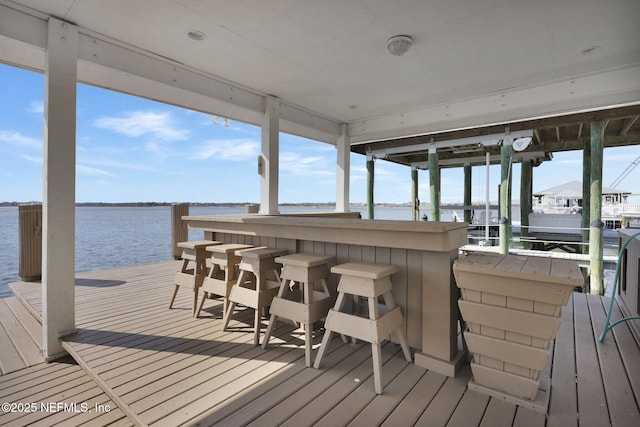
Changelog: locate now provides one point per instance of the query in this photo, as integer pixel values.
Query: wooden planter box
(511, 305)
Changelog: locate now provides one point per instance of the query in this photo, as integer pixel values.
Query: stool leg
(308, 299)
(327, 333)
(376, 355)
(195, 299)
(228, 310)
(173, 297)
(205, 295)
(307, 344)
(391, 304)
(273, 318)
(183, 269)
(260, 281)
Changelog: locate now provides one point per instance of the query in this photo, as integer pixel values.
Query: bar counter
(424, 253)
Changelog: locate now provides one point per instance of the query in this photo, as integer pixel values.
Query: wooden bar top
(421, 235)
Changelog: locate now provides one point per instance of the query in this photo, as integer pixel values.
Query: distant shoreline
(214, 204)
(243, 204)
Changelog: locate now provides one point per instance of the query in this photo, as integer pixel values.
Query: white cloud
(88, 170)
(122, 165)
(139, 123)
(230, 149)
(32, 159)
(299, 165)
(36, 107)
(19, 140)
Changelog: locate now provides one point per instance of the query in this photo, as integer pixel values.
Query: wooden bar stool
(370, 281)
(223, 273)
(312, 305)
(257, 284)
(194, 267)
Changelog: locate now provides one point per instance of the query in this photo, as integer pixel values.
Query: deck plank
(498, 414)
(470, 410)
(28, 349)
(622, 406)
(444, 404)
(592, 401)
(410, 409)
(10, 359)
(383, 405)
(59, 381)
(563, 404)
(320, 396)
(166, 368)
(278, 391)
(628, 347)
(358, 399)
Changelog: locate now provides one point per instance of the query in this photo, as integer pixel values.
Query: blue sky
(132, 149)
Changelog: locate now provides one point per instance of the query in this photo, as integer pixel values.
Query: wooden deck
(163, 367)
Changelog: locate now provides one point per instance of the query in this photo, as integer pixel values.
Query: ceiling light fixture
(196, 35)
(399, 45)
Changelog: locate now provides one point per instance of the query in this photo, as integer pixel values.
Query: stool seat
(311, 305)
(261, 252)
(223, 273)
(196, 244)
(227, 248)
(370, 281)
(366, 271)
(257, 284)
(305, 260)
(194, 252)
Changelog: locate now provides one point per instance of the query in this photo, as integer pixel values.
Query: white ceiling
(478, 60)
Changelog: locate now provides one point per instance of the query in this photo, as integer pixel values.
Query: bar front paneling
(424, 253)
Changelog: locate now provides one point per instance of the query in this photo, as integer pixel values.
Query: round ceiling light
(399, 45)
(196, 35)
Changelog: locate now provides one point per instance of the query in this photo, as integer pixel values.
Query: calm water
(109, 237)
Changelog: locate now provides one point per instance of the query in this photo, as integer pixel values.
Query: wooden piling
(415, 201)
(525, 200)
(467, 193)
(596, 231)
(370, 176)
(179, 230)
(586, 198)
(434, 185)
(505, 215)
(30, 241)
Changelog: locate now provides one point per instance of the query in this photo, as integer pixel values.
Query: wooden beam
(558, 139)
(536, 132)
(628, 125)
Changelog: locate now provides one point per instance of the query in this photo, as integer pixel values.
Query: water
(110, 237)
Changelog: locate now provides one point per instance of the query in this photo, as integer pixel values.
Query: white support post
(343, 170)
(269, 157)
(59, 169)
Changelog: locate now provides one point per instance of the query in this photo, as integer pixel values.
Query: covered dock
(423, 84)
